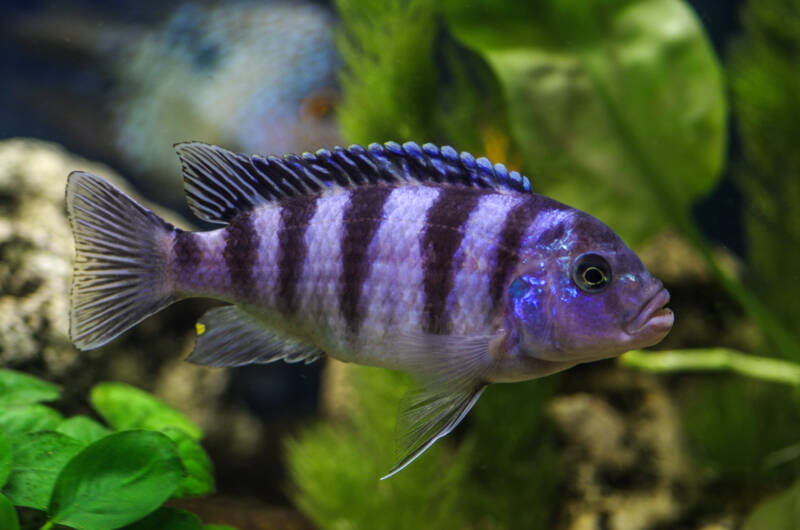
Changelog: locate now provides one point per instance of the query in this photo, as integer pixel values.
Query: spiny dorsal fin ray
(220, 183)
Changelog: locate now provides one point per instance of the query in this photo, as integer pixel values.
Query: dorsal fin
(219, 183)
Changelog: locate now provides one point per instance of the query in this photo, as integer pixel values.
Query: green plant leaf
(8, 514)
(116, 480)
(5, 458)
(29, 418)
(168, 518)
(779, 512)
(38, 457)
(22, 389)
(83, 428)
(200, 479)
(126, 407)
(617, 106)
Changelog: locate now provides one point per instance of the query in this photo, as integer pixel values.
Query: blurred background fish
(256, 76)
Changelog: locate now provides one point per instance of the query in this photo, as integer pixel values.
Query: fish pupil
(593, 276)
(592, 273)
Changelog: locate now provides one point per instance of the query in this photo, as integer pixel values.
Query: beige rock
(626, 465)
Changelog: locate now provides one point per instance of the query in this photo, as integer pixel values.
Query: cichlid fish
(418, 259)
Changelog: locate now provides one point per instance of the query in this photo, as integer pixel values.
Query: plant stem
(714, 359)
(46, 526)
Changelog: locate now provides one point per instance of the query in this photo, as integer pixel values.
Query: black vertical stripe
(296, 214)
(186, 255)
(241, 246)
(361, 219)
(516, 223)
(443, 232)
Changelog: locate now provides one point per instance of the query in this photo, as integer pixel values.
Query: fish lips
(654, 319)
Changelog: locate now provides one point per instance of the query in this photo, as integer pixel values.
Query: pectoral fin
(429, 416)
(445, 361)
(229, 336)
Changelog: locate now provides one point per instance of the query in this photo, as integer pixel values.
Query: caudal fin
(120, 261)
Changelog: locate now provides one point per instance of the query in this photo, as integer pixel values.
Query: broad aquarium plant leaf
(30, 418)
(199, 479)
(168, 518)
(88, 476)
(617, 107)
(116, 480)
(38, 458)
(126, 407)
(18, 389)
(83, 428)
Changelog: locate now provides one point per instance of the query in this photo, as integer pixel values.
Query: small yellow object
(201, 328)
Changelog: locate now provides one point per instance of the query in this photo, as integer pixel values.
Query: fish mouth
(653, 316)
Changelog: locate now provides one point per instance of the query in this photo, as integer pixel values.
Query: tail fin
(120, 261)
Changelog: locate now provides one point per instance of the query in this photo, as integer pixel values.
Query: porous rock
(626, 464)
(36, 255)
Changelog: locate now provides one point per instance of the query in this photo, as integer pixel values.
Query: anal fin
(430, 416)
(229, 336)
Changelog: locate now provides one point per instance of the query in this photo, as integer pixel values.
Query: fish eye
(591, 273)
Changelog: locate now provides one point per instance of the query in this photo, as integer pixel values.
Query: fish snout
(653, 318)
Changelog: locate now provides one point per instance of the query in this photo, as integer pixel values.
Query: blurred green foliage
(501, 475)
(735, 424)
(407, 78)
(86, 475)
(765, 81)
(336, 467)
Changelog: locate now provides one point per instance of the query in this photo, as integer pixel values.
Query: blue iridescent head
(580, 293)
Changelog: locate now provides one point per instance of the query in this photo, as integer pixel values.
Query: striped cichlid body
(413, 258)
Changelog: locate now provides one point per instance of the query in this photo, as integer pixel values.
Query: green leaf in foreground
(200, 478)
(168, 518)
(29, 418)
(126, 407)
(22, 389)
(83, 428)
(116, 480)
(38, 459)
(8, 515)
(5, 458)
